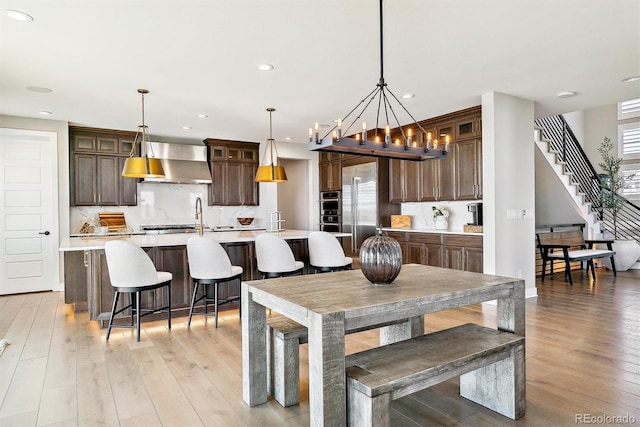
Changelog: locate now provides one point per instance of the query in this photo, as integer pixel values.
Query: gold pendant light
(272, 172)
(144, 166)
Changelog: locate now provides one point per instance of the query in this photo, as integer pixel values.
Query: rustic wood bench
(284, 337)
(377, 376)
(567, 241)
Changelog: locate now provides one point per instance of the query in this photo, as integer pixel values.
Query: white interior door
(28, 211)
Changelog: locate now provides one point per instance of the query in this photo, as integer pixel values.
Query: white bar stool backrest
(129, 265)
(207, 259)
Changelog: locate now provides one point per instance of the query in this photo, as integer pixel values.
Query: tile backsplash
(422, 217)
(169, 204)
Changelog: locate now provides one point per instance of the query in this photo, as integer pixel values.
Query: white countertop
(431, 230)
(180, 239)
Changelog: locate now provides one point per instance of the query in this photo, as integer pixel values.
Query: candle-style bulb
(387, 135)
(310, 135)
(339, 129)
(364, 133)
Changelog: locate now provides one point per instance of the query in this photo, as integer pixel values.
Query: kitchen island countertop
(180, 239)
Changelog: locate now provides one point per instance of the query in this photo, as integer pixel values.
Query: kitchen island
(87, 283)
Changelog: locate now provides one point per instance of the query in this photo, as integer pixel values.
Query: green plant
(613, 183)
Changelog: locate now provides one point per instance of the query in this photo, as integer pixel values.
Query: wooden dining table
(332, 303)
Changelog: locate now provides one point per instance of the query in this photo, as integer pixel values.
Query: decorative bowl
(245, 221)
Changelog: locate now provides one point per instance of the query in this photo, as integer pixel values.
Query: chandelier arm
(393, 113)
(371, 95)
(407, 111)
(380, 98)
(351, 112)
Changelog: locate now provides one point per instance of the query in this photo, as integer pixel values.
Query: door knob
(46, 233)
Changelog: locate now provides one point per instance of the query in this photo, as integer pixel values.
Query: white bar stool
(275, 258)
(326, 253)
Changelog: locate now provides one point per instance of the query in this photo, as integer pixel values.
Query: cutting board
(400, 221)
(114, 220)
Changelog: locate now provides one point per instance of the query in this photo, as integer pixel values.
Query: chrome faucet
(199, 215)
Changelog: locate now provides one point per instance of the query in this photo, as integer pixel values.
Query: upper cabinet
(96, 160)
(457, 176)
(330, 171)
(233, 167)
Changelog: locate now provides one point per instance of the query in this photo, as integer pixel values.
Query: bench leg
(499, 386)
(365, 411)
(283, 369)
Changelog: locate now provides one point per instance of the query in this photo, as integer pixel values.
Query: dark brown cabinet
(233, 167)
(330, 171)
(457, 176)
(456, 251)
(405, 181)
(97, 157)
(468, 167)
(463, 252)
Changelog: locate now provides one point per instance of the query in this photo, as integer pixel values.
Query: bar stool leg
(113, 311)
(138, 315)
(215, 302)
(169, 304)
(193, 302)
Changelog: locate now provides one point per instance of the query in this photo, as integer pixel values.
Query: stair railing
(562, 140)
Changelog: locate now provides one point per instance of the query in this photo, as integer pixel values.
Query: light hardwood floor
(582, 349)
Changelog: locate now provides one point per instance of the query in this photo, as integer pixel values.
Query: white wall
(269, 191)
(290, 194)
(554, 205)
(508, 183)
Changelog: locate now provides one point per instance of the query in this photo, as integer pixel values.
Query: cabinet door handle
(86, 259)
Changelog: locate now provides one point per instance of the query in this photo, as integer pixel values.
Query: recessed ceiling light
(288, 138)
(265, 67)
(202, 116)
(46, 113)
(631, 79)
(16, 15)
(408, 95)
(39, 89)
(186, 127)
(566, 94)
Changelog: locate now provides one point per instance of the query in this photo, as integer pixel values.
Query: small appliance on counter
(475, 226)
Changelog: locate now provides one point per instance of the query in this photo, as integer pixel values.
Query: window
(629, 109)
(632, 191)
(629, 141)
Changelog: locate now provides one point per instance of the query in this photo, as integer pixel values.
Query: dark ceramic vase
(380, 259)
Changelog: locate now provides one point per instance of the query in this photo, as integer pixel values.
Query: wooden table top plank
(350, 292)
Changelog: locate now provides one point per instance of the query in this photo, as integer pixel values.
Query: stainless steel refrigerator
(359, 205)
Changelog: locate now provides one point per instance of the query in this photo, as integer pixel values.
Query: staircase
(559, 146)
(578, 178)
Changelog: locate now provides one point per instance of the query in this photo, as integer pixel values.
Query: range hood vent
(182, 163)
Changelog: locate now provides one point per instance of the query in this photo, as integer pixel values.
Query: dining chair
(132, 272)
(275, 258)
(326, 253)
(209, 265)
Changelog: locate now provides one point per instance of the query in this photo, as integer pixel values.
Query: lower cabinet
(456, 251)
(463, 252)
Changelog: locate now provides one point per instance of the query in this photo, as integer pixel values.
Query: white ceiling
(200, 56)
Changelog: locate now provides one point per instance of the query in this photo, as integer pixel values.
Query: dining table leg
(501, 385)
(327, 384)
(413, 327)
(254, 353)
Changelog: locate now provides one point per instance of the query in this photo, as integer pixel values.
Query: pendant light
(412, 144)
(271, 172)
(144, 166)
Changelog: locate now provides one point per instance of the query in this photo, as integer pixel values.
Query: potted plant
(440, 217)
(612, 183)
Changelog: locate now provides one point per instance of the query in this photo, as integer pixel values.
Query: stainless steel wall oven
(330, 211)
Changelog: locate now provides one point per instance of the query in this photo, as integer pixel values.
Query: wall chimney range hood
(182, 163)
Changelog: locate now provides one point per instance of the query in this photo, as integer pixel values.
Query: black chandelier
(407, 146)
